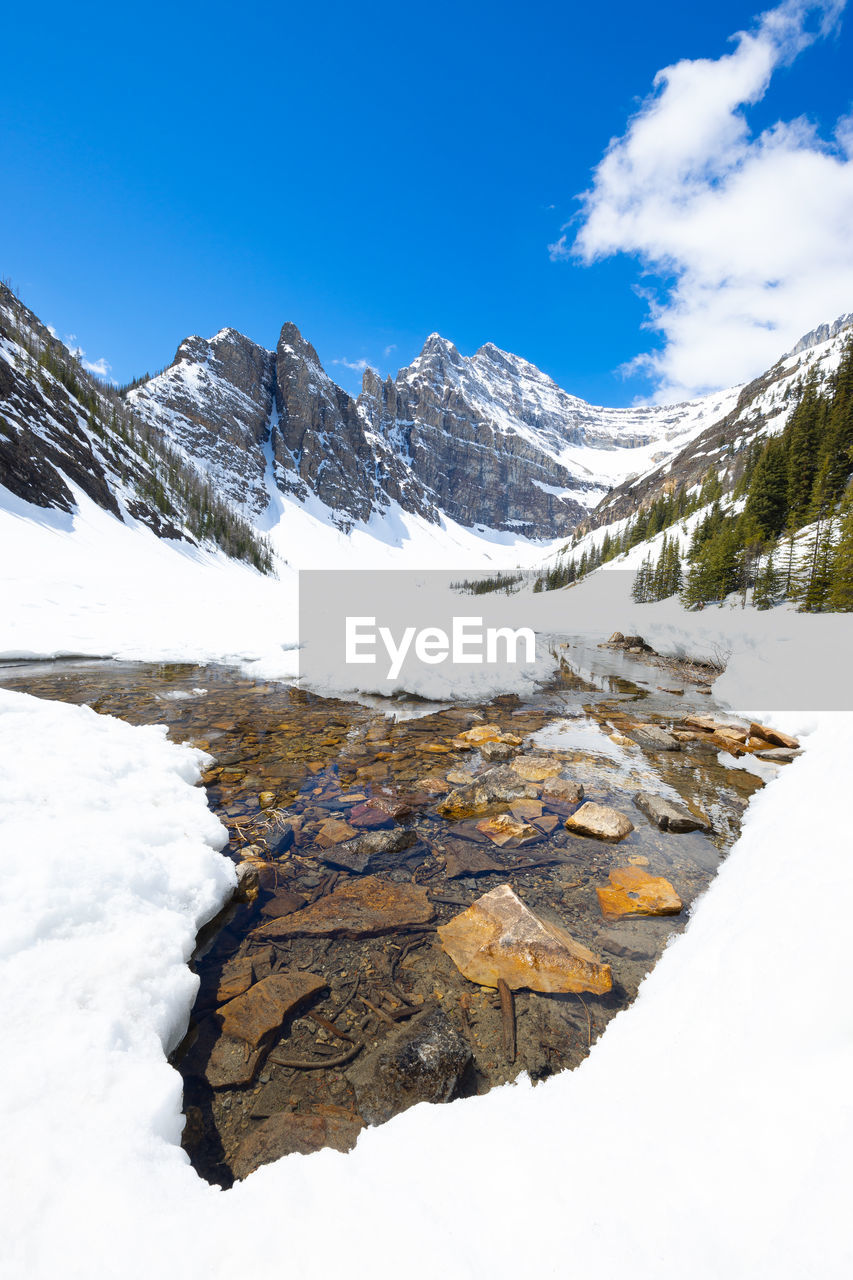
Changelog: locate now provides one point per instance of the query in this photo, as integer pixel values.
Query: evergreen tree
(840, 596)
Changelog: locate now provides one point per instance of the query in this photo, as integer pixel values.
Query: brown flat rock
(288, 1132)
(536, 768)
(231, 1063)
(357, 909)
(283, 903)
(369, 817)
(480, 733)
(263, 1008)
(465, 859)
(524, 809)
(600, 821)
(633, 892)
(499, 937)
(775, 736)
(334, 831)
(236, 977)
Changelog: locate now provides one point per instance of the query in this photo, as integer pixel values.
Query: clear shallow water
(312, 755)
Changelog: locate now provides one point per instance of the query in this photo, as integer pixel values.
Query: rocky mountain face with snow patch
(759, 409)
(62, 429)
(488, 440)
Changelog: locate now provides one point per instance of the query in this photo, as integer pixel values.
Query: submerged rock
(423, 1060)
(263, 1008)
(600, 821)
(633, 892)
(333, 831)
(668, 816)
(499, 937)
(287, 1133)
(562, 791)
(505, 829)
(371, 850)
(357, 909)
(465, 859)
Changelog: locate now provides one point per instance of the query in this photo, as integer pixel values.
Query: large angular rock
(499, 937)
(666, 815)
(287, 1133)
(633, 892)
(357, 909)
(263, 1008)
(423, 1060)
(600, 821)
(371, 851)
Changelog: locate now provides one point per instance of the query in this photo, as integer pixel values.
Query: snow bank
(710, 1132)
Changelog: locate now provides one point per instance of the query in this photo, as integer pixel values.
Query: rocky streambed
(432, 899)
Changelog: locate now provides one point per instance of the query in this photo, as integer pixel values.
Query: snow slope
(709, 1133)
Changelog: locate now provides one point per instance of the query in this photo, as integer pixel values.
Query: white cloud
(752, 232)
(390, 349)
(357, 365)
(100, 366)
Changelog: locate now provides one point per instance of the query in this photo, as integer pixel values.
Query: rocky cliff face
(214, 402)
(61, 429)
(487, 440)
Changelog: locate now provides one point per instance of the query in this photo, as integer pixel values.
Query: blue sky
(375, 173)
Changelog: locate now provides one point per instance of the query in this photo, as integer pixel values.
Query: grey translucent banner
(438, 634)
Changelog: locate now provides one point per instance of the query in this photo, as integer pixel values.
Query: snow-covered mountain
(62, 433)
(467, 457)
(758, 409)
(487, 441)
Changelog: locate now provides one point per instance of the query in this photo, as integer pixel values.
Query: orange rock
(480, 733)
(334, 831)
(499, 937)
(774, 736)
(633, 892)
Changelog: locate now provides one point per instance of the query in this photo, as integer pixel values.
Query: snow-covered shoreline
(710, 1130)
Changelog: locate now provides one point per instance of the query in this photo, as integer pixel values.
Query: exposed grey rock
(423, 1060)
(371, 851)
(652, 738)
(666, 815)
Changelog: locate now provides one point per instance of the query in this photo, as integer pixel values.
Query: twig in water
(507, 1019)
(318, 1064)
